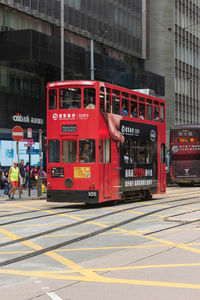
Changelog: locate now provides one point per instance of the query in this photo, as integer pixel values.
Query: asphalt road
(135, 250)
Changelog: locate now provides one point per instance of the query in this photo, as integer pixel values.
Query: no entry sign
(17, 133)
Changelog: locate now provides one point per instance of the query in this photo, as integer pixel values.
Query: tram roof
(92, 83)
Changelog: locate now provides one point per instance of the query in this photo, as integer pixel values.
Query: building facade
(30, 52)
(174, 54)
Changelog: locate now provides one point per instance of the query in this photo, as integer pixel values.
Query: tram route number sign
(17, 133)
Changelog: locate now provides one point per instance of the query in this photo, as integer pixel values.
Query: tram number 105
(92, 194)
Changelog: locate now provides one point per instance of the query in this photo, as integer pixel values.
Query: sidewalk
(24, 196)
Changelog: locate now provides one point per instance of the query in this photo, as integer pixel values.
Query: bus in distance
(105, 142)
(185, 154)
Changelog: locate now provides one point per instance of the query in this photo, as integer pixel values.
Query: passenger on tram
(127, 159)
(156, 116)
(73, 105)
(90, 104)
(85, 155)
(141, 116)
(124, 110)
(134, 114)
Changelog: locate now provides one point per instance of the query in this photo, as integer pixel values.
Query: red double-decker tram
(185, 154)
(105, 143)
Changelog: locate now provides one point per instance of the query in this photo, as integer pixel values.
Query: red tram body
(105, 142)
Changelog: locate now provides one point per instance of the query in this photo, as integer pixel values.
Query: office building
(174, 35)
(30, 52)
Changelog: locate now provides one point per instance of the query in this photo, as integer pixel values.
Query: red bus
(105, 142)
(185, 154)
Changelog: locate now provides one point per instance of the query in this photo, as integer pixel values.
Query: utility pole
(40, 154)
(62, 38)
(92, 59)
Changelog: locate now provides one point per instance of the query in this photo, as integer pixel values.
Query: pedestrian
(23, 176)
(27, 182)
(1, 173)
(13, 177)
(6, 184)
(35, 178)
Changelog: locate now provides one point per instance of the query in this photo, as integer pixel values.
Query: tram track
(85, 236)
(60, 228)
(75, 210)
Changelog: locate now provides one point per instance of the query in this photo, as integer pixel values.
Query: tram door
(107, 169)
(162, 169)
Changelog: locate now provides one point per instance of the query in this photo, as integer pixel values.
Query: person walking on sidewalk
(23, 176)
(13, 177)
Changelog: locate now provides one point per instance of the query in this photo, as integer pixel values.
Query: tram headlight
(68, 182)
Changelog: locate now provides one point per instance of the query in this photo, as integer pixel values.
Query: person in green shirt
(13, 178)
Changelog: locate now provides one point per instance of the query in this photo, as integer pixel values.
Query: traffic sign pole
(29, 174)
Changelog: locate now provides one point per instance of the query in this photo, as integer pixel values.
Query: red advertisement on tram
(185, 154)
(105, 143)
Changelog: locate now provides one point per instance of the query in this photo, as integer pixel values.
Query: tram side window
(107, 151)
(108, 103)
(162, 154)
(100, 151)
(52, 99)
(141, 152)
(134, 111)
(162, 113)
(89, 98)
(87, 151)
(149, 152)
(115, 105)
(102, 102)
(156, 113)
(116, 102)
(134, 151)
(70, 98)
(69, 151)
(125, 107)
(126, 150)
(54, 151)
(142, 111)
(149, 112)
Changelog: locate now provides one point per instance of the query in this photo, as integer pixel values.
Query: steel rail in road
(89, 235)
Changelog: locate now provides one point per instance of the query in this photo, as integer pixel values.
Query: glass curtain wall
(117, 22)
(187, 62)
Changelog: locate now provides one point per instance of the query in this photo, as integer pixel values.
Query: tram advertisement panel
(138, 156)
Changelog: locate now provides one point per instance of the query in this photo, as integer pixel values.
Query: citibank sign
(27, 119)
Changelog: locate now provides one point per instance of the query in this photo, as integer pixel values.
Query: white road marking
(53, 296)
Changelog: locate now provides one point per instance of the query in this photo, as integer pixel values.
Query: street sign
(29, 133)
(30, 144)
(17, 133)
(33, 151)
(28, 140)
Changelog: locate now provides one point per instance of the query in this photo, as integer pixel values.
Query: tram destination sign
(69, 128)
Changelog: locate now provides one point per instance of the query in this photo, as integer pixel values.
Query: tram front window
(54, 151)
(87, 151)
(69, 151)
(70, 98)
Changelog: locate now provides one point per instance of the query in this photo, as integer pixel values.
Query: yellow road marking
(36, 225)
(91, 249)
(101, 279)
(66, 262)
